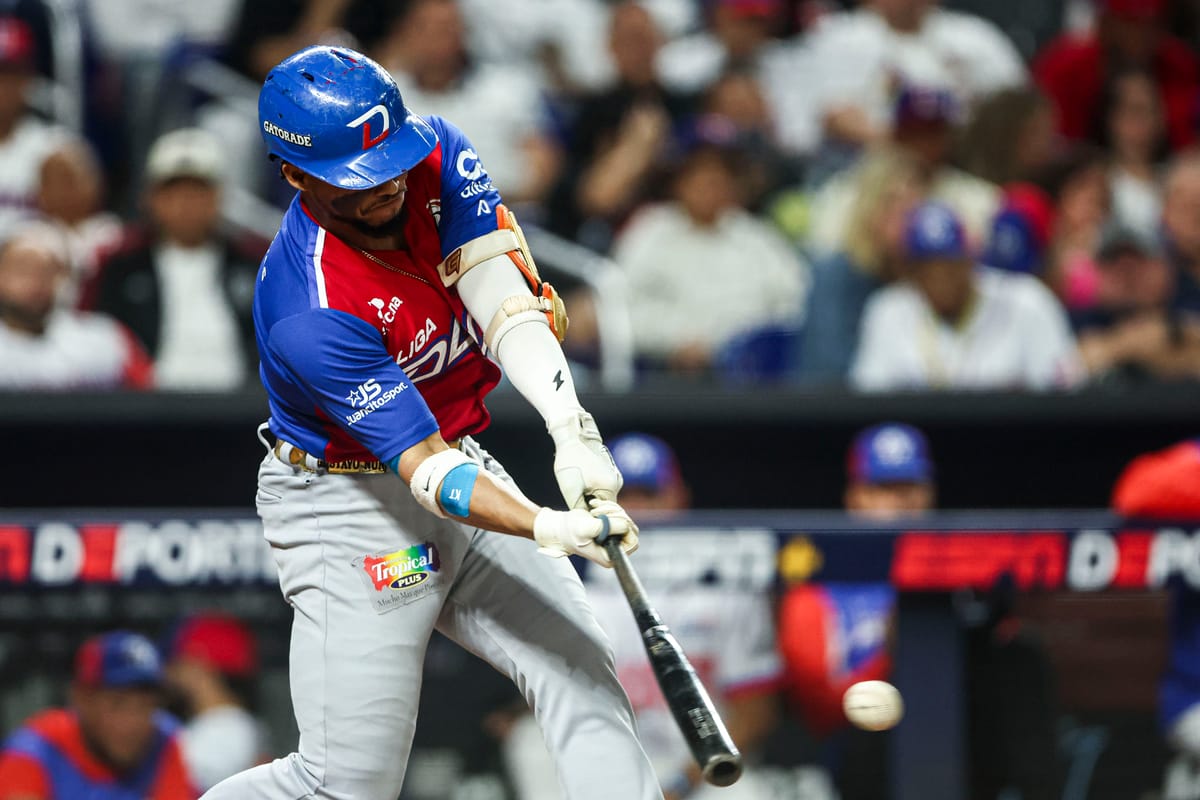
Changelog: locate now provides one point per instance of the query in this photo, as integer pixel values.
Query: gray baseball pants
(370, 574)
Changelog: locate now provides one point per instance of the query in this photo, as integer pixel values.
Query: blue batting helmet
(338, 115)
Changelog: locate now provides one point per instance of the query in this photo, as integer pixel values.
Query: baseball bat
(718, 757)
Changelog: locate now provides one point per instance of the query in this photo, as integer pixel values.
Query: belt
(288, 453)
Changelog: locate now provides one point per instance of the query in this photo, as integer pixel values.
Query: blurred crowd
(885, 194)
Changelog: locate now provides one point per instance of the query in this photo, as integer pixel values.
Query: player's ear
(296, 177)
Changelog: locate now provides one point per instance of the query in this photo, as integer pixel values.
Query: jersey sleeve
(469, 200)
(340, 362)
(22, 778)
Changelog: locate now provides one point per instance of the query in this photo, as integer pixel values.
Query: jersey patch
(396, 579)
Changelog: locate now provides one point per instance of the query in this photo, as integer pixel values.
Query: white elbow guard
(428, 477)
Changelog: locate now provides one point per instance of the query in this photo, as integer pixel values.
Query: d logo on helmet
(370, 141)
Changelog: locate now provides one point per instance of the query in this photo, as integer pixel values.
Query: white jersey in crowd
(1016, 336)
(857, 56)
(220, 743)
(703, 285)
(78, 350)
(21, 157)
(497, 107)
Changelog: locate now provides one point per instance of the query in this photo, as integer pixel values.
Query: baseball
(873, 705)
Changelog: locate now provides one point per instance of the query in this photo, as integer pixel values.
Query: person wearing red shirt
(1129, 34)
(112, 743)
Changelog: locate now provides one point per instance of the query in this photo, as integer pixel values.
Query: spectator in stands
(268, 31)
(702, 269)
(923, 127)
(953, 325)
(1022, 231)
(1130, 34)
(1165, 485)
(741, 36)
(71, 195)
(726, 628)
(25, 140)
(1131, 331)
(1133, 131)
(1181, 223)
(619, 136)
(45, 346)
(1011, 136)
(889, 186)
(859, 57)
(113, 741)
(499, 107)
(1078, 182)
(212, 667)
(186, 288)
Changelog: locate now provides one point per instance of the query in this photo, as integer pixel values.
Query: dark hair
(989, 142)
(1068, 165)
(1110, 96)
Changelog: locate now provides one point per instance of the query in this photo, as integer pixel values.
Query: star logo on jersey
(364, 393)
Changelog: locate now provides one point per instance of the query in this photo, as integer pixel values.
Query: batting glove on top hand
(583, 466)
(574, 532)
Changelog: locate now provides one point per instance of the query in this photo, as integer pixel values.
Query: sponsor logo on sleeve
(399, 578)
(369, 396)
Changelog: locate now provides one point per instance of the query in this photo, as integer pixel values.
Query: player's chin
(382, 213)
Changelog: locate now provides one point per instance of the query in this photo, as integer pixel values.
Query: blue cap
(337, 115)
(118, 659)
(890, 453)
(932, 230)
(926, 104)
(646, 462)
(1013, 245)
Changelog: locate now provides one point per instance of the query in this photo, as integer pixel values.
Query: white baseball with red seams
(873, 705)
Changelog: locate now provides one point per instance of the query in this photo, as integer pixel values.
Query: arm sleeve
(342, 365)
(22, 778)
(530, 354)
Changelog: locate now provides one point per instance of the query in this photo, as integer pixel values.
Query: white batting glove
(574, 532)
(583, 466)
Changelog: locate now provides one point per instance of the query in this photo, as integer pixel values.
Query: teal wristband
(457, 487)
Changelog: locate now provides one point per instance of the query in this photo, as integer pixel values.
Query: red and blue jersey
(365, 354)
(833, 635)
(48, 759)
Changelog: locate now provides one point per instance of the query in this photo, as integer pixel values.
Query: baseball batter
(396, 284)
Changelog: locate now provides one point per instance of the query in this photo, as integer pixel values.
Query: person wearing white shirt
(953, 325)
(45, 346)
(702, 269)
(186, 291)
(858, 58)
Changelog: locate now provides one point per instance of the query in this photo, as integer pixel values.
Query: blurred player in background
(397, 288)
(727, 631)
(113, 743)
(833, 635)
(212, 667)
(1166, 485)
